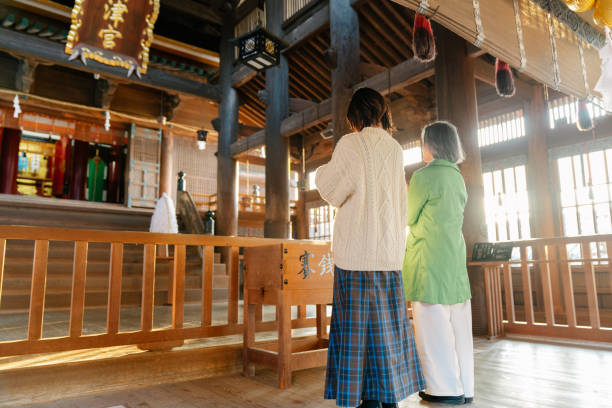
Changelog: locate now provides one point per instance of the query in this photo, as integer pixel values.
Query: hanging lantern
(259, 49)
(584, 121)
(424, 46)
(504, 81)
(602, 14)
(580, 6)
(202, 136)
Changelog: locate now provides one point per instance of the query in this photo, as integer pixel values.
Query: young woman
(372, 357)
(434, 271)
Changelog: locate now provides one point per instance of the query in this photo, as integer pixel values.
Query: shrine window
(564, 111)
(501, 128)
(412, 153)
(506, 202)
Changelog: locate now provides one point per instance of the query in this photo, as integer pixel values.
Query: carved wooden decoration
(113, 32)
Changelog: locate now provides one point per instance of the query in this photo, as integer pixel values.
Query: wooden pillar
(166, 163)
(227, 126)
(456, 103)
(276, 224)
(344, 59)
(541, 212)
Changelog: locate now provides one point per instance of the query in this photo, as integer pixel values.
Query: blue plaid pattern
(372, 353)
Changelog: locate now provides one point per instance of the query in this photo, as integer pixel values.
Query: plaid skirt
(372, 353)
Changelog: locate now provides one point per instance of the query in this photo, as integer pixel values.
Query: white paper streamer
(107, 121)
(16, 107)
(519, 34)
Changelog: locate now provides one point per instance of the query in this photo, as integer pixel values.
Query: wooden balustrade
(147, 334)
(549, 259)
(247, 203)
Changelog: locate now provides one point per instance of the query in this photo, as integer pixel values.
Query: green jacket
(434, 268)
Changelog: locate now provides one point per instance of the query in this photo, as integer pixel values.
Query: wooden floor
(509, 373)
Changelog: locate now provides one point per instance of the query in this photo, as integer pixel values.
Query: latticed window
(564, 111)
(321, 221)
(507, 203)
(585, 184)
(501, 128)
(412, 153)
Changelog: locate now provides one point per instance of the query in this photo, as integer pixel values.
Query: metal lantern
(259, 49)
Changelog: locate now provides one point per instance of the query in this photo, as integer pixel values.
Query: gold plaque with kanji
(113, 32)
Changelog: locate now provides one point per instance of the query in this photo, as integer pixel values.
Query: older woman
(372, 357)
(434, 271)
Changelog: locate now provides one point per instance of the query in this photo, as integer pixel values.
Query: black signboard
(487, 251)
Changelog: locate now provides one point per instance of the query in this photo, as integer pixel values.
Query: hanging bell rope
(584, 121)
(504, 80)
(424, 46)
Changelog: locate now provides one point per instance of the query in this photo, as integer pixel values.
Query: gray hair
(442, 140)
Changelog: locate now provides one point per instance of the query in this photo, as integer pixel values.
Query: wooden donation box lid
(303, 268)
(285, 274)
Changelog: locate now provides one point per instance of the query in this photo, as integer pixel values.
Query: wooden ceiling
(385, 41)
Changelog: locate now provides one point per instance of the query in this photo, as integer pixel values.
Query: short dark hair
(442, 140)
(368, 108)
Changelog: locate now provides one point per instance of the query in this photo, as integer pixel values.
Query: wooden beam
(194, 9)
(105, 92)
(295, 104)
(63, 13)
(312, 25)
(25, 45)
(402, 75)
(242, 75)
(24, 79)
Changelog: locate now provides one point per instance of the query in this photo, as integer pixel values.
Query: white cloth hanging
(604, 85)
(164, 216)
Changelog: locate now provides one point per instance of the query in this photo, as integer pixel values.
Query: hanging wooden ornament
(504, 81)
(584, 122)
(580, 6)
(424, 46)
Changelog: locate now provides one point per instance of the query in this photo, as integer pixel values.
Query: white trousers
(443, 336)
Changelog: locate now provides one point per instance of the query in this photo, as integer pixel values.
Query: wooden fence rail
(557, 261)
(147, 334)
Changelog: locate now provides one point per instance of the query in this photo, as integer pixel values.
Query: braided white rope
(519, 34)
(555, 55)
(480, 37)
(423, 6)
(584, 70)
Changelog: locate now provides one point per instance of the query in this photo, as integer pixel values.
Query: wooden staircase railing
(146, 335)
(549, 305)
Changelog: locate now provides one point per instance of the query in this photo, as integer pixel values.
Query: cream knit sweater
(365, 180)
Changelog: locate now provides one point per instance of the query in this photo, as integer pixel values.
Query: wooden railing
(147, 334)
(549, 307)
(246, 202)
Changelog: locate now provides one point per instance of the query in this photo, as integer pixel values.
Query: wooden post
(344, 59)
(456, 103)
(166, 164)
(539, 184)
(227, 126)
(276, 224)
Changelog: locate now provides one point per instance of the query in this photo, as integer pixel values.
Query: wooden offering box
(291, 273)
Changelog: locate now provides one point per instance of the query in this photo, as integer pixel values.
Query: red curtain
(8, 160)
